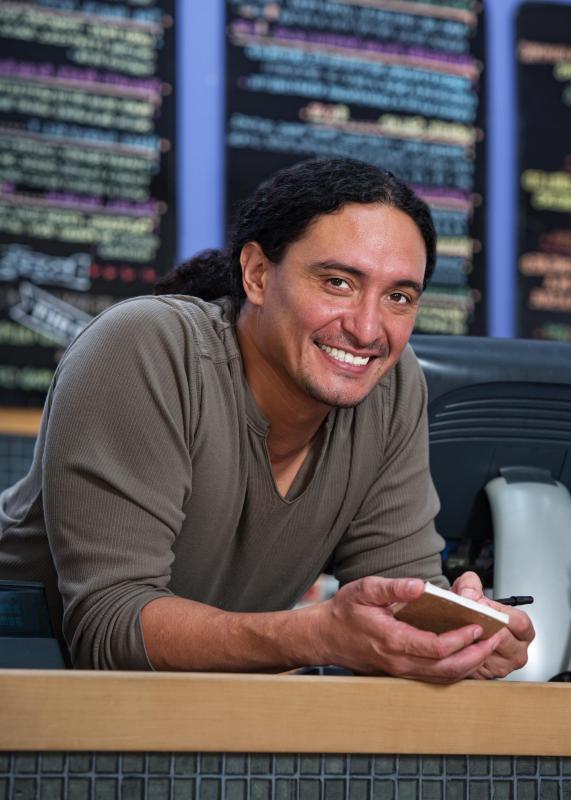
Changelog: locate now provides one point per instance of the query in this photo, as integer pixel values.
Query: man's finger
(520, 624)
(384, 591)
(417, 643)
(469, 585)
(467, 661)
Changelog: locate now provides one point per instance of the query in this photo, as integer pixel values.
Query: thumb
(384, 591)
(468, 585)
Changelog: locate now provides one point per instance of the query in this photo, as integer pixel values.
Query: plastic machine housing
(500, 455)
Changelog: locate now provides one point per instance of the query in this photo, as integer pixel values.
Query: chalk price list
(86, 163)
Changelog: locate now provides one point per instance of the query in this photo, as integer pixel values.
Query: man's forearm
(354, 629)
(182, 634)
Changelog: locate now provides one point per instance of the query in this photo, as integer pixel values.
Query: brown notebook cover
(440, 610)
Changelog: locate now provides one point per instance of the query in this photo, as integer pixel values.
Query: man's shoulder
(172, 319)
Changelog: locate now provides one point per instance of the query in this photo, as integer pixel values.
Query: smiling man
(200, 463)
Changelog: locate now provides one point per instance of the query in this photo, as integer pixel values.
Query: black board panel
(394, 82)
(544, 171)
(86, 172)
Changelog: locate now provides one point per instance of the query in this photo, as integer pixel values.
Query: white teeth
(344, 357)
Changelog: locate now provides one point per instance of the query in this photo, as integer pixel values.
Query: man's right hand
(354, 629)
(359, 631)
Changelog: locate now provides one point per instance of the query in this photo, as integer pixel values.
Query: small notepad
(440, 610)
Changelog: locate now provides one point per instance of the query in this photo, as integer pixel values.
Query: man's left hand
(511, 652)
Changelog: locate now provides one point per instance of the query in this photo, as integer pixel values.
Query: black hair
(280, 211)
(206, 275)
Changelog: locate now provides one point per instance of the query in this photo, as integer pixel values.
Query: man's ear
(255, 266)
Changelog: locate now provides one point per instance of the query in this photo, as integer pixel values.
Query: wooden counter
(79, 711)
(20, 421)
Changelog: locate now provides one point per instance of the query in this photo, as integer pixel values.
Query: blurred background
(130, 131)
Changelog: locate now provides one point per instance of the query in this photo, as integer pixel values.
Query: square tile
(432, 765)
(359, 789)
(53, 762)
(526, 790)
(185, 764)
(260, 789)
(236, 765)
(480, 790)
(455, 790)
(285, 765)
(107, 762)
(25, 789)
(502, 790)
(456, 765)
(158, 789)
(79, 762)
(132, 789)
(310, 765)
(384, 765)
(209, 789)
(159, 764)
(479, 765)
(333, 789)
(549, 766)
(549, 790)
(407, 790)
(432, 790)
(236, 790)
(360, 765)
(285, 789)
(210, 764)
(334, 765)
(183, 789)
(133, 763)
(51, 789)
(383, 790)
(105, 789)
(260, 765)
(309, 790)
(502, 765)
(78, 789)
(525, 765)
(25, 763)
(408, 765)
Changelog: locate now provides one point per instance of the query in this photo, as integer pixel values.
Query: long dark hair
(279, 212)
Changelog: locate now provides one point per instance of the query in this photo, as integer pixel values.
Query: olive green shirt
(151, 477)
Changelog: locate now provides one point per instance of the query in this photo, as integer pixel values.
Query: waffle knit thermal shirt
(151, 477)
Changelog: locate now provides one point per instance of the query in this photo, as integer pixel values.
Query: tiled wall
(15, 458)
(180, 776)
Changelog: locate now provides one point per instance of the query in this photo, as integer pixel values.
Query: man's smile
(343, 356)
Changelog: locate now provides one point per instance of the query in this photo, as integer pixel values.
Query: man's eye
(400, 298)
(338, 283)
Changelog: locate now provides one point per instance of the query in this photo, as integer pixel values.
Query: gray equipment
(527, 508)
(500, 455)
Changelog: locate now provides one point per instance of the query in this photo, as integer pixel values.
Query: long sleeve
(117, 472)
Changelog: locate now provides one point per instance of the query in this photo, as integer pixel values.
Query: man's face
(339, 308)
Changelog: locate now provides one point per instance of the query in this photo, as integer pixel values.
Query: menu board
(544, 118)
(86, 172)
(393, 82)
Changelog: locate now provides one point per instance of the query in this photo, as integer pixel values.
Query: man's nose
(364, 323)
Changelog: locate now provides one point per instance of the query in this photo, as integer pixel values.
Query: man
(199, 463)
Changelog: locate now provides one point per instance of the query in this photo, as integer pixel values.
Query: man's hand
(359, 631)
(510, 652)
(354, 629)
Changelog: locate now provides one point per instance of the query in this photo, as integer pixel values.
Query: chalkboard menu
(86, 172)
(544, 115)
(393, 82)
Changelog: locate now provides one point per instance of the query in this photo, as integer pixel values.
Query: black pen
(515, 600)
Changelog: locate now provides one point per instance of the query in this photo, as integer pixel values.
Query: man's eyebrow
(338, 265)
(318, 266)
